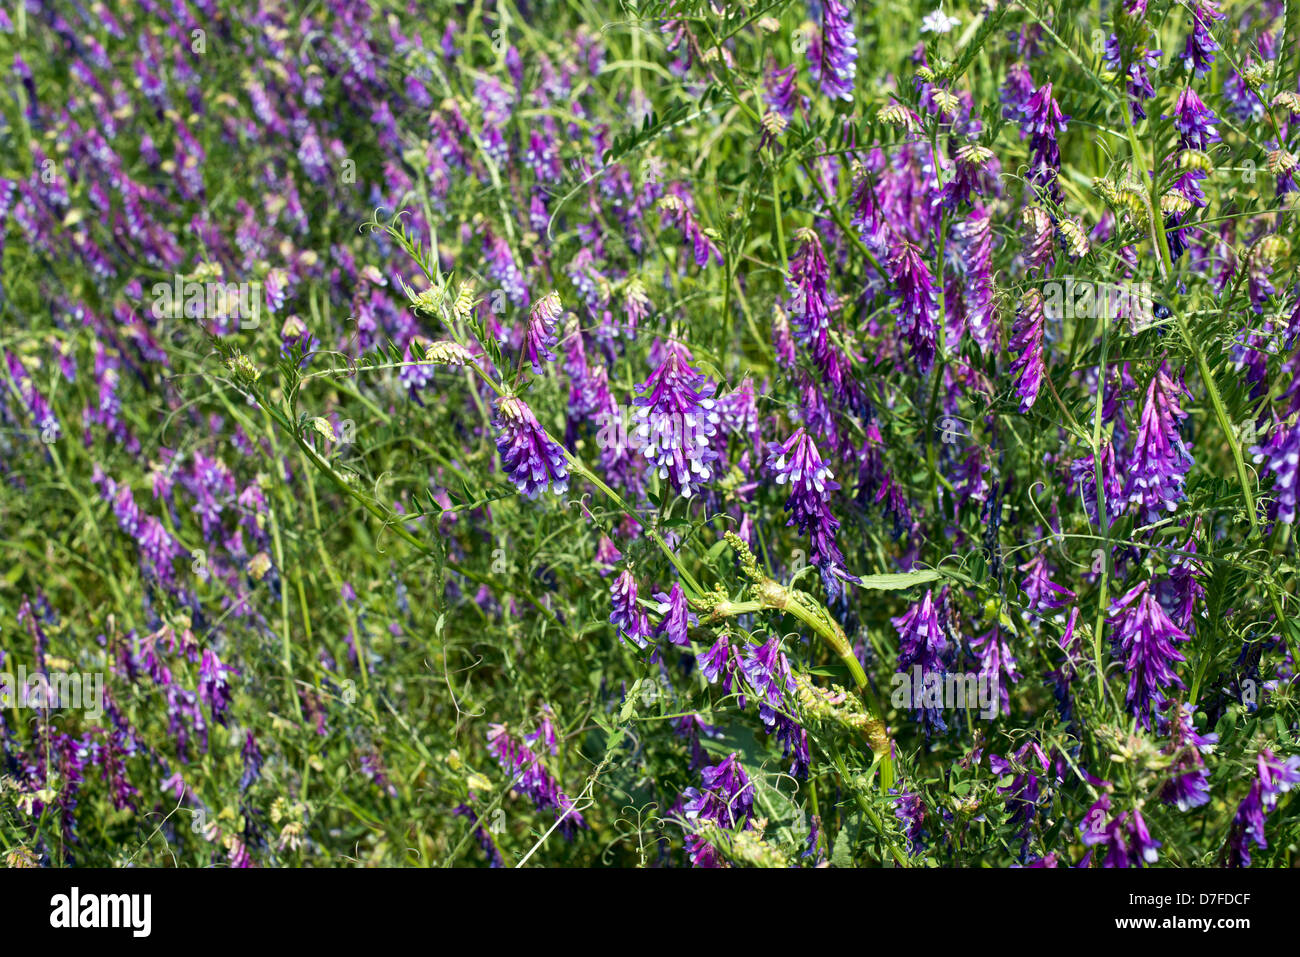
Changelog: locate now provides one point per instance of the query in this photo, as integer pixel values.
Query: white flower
(938, 22)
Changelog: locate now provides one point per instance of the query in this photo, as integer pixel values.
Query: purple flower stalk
(677, 616)
(923, 643)
(832, 54)
(727, 798)
(722, 661)
(1045, 595)
(1082, 477)
(1042, 119)
(675, 207)
(916, 308)
(1283, 454)
(768, 672)
(997, 663)
(1189, 783)
(677, 419)
(532, 460)
(1027, 339)
(1144, 636)
(1127, 841)
(626, 615)
(214, 688)
(1139, 79)
(977, 262)
(1198, 52)
(530, 778)
(797, 462)
(1276, 777)
(1194, 121)
(543, 330)
(809, 299)
(1160, 458)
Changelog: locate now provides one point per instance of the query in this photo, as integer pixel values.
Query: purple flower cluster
(833, 52)
(1145, 640)
(725, 798)
(797, 463)
(1160, 456)
(1275, 777)
(531, 458)
(529, 777)
(677, 419)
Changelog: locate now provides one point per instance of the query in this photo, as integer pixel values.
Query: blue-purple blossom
(1027, 341)
(1194, 121)
(677, 616)
(1125, 837)
(797, 462)
(833, 52)
(1275, 777)
(916, 308)
(1145, 639)
(1042, 119)
(1188, 785)
(532, 460)
(768, 672)
(543, 330)
(997, 663)
(530, 777)
(1198, 52)
(1045, 595)
(1160, 459)
(1282, 457)
(677, 419)
(923, 643)
(626, 614)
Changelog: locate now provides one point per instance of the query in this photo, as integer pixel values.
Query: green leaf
(898, 581)
(842, 852)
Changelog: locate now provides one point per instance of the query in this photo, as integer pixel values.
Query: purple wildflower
(543, 330)
(531, 778)
(1160, 458)
(727, 798)
(1276, 777)
(1189, 782)
(976, 235)
(723, 662)
(833, 53)
(677, 419)
(677, 616)
(1145, 637)
(1127, 841)
(531, 458)
(1283, 454)
(1141, 62)
(1198, 53)
(1042, 119)
(1044, 594)
(923, 645)
(916, 307)
(1194, 121)
(626, 614)
(796, 461)
(997, 664)
(214, 688)
(768, 672)
(1027, 339)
